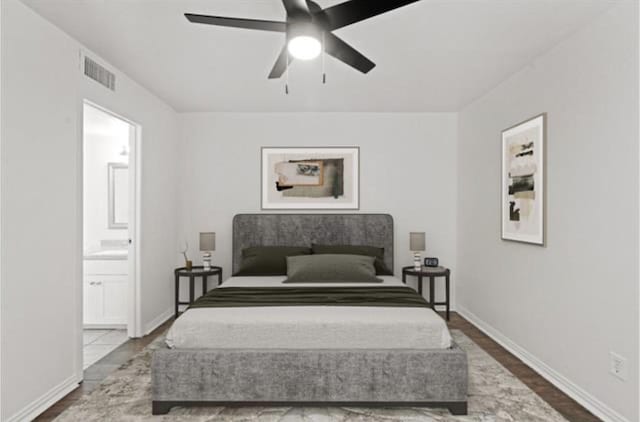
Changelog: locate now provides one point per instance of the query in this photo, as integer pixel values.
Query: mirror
(118, 195)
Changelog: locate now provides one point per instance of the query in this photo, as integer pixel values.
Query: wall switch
(618, 366)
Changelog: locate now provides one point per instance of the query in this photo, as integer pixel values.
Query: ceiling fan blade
(353, 11)
(237, 22)
(281, 64)
(296, 8)
(342, 51)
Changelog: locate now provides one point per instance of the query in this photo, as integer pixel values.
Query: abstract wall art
(310, 178)
(523, 181)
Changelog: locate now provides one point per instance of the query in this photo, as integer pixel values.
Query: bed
(304, 354)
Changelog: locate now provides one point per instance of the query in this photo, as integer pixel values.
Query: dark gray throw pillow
(329, 268)
(268, 260)
(375, 251)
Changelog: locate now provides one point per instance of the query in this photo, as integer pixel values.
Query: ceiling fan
(309, 29)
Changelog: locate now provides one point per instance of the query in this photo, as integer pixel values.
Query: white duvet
(308, 327)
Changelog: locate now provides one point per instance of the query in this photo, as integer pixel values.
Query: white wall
(42, 92)
(40, 234)
(407, 169)
(565, 306)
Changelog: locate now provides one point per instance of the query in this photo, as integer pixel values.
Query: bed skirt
(323, 377)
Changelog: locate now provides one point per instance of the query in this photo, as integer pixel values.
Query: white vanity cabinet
(105, 293)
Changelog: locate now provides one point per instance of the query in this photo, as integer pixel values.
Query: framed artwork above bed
(311, 178)
(523, 181)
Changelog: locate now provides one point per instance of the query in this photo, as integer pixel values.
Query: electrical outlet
(618, 366)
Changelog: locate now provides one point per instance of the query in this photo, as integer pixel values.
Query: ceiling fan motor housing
(303, 29)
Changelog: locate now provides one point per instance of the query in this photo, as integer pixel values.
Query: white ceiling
(434, 55)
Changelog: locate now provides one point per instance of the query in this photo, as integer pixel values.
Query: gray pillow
(329, 268)
(268, 260)
(378, 253)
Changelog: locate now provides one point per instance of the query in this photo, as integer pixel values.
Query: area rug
(495, 395)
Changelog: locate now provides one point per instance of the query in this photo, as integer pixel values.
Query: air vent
(99, 74)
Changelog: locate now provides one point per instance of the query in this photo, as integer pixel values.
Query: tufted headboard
(305, 229)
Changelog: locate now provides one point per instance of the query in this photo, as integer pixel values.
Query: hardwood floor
(566, 406)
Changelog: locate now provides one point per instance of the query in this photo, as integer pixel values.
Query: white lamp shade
(207, 241)
(417, 241)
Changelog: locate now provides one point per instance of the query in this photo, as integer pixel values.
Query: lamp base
(417, 261)
(206, 261)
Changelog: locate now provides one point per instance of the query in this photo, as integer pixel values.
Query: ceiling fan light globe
(304, 47)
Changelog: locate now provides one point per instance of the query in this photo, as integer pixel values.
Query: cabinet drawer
(113, 267)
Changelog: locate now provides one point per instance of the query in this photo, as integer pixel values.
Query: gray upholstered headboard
(305, 229)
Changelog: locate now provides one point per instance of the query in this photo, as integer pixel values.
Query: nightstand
(196, 271)
(432, 273)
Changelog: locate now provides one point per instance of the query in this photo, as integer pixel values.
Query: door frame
(134, 324)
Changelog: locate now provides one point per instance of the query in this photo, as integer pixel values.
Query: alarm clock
(431, 262)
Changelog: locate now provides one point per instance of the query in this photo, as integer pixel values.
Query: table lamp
(207, 245)
(416, 245)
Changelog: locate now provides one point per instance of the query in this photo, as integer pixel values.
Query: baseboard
(568, 387)
(48, 399)
(158, 321)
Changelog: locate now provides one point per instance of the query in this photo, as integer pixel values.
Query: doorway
(109, 207)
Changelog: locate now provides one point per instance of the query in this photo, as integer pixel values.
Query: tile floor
(99, 343)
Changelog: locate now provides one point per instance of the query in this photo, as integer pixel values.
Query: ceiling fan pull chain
(324, 74)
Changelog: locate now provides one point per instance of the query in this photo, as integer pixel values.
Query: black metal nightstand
(431, 273)
(196, 271)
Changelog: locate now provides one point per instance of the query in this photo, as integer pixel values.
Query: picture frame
(523, 181)
(312, 178)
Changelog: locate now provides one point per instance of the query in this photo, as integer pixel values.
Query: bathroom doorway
(109, 281)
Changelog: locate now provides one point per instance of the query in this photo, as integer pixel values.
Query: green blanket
(392, 296)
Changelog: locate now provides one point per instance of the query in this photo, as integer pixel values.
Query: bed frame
(319, 377)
